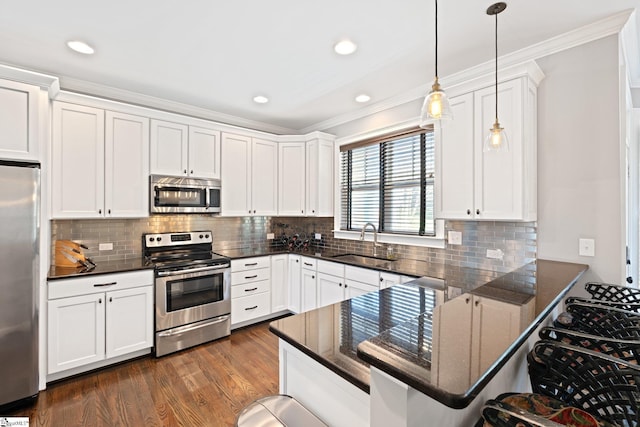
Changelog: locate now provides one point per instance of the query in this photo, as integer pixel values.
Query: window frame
(437, 241)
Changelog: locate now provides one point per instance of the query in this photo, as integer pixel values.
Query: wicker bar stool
(602, 385)
(596, 319)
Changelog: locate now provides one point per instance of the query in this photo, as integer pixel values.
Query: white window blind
(390, 184)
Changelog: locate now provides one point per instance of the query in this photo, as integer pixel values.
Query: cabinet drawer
(242, 277)
(98, 283)
(308, 263)
(247, 289)
(332, 268)
(363, 275)
(250, 263)
(250, 307)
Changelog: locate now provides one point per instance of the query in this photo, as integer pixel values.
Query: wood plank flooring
(204, 386)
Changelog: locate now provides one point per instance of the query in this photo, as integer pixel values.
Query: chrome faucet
(375, 236)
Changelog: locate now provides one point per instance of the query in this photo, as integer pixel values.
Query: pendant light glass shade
(497, 139)
(435, 107)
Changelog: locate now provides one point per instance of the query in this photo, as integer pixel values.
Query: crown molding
(629, 41)
(45, 81)
(122, 95)
(585, 34)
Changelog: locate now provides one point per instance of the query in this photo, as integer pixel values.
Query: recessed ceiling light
(81, 47)
(260, 99)
(345, 47)
(363, 98)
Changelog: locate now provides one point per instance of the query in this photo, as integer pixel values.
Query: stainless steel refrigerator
(19, 259)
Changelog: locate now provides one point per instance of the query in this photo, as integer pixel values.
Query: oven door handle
(192, 270)
(188, 328)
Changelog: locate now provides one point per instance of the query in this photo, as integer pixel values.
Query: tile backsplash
(517, 240)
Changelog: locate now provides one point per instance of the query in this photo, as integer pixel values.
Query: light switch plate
(495, 253)
(105, 246)
(454, 237)
(587, 247)
(270, 236)
(318, 236)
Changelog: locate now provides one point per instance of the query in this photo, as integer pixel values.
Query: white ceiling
(218, 55)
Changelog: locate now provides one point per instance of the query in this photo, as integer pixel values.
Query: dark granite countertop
(392, 329)
(404, 266)
(102, 267)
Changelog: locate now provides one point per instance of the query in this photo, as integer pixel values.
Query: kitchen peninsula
(423, 350)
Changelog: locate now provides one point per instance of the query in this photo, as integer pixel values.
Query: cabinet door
(389, 279)
(330, 289)
(488, 316)
(75, 332)
(319, 183)
(77, 173)
(279, 285)
(291, 178)
(264, 177)
(295, 285)
(204, 153)
(169, 148)
(236, 175)
(126, 166)
(499, 175)
(355, 289)
(129, 320)
(19, 118)
(309, 290)
(454, 162)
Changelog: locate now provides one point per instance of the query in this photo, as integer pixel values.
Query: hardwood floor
(204, 386)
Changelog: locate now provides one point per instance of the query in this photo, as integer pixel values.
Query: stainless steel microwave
(173, 194)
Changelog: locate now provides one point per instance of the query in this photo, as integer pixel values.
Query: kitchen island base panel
(394, 403)
(334, 400)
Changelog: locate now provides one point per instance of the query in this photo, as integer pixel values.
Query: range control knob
(152, 239)
(206, 236)
(201, 236)
(159, 238)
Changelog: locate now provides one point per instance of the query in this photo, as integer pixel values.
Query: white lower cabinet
(279, 283)
(250, 289)
(88, 323)
(294, 271)
(309, 285)
(389, 279)
(330, 289)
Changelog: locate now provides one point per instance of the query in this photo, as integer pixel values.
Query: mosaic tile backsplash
(517, 240)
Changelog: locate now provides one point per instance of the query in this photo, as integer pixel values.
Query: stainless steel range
(192, 290)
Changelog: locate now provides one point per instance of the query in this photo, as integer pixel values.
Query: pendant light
(497, 139)
(436, 104)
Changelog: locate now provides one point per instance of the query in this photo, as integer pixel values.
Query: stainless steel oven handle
(192, 270)
(188, 328)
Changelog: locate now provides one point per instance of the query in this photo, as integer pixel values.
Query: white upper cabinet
(126, 166)
(19, 119)
(472, 184)
(181, 150)
(319, 161)
(77, 174)
(98, 174)
(249, 176)
(264, 177)
(291, 178)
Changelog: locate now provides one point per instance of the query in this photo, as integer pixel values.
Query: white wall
(579, 185)
(579, 172)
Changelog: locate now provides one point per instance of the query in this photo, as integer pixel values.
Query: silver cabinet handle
(251, 289)
(310, 265)
(251, 264)
(251, 308)
(98, 285)
(251, 277)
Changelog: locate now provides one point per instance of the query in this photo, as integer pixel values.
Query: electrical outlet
(495, 253)
(318, 236)
(454, 237)
(587, 247)
(270, 236)
(105, 246)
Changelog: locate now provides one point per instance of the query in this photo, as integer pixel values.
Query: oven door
(188, 296)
